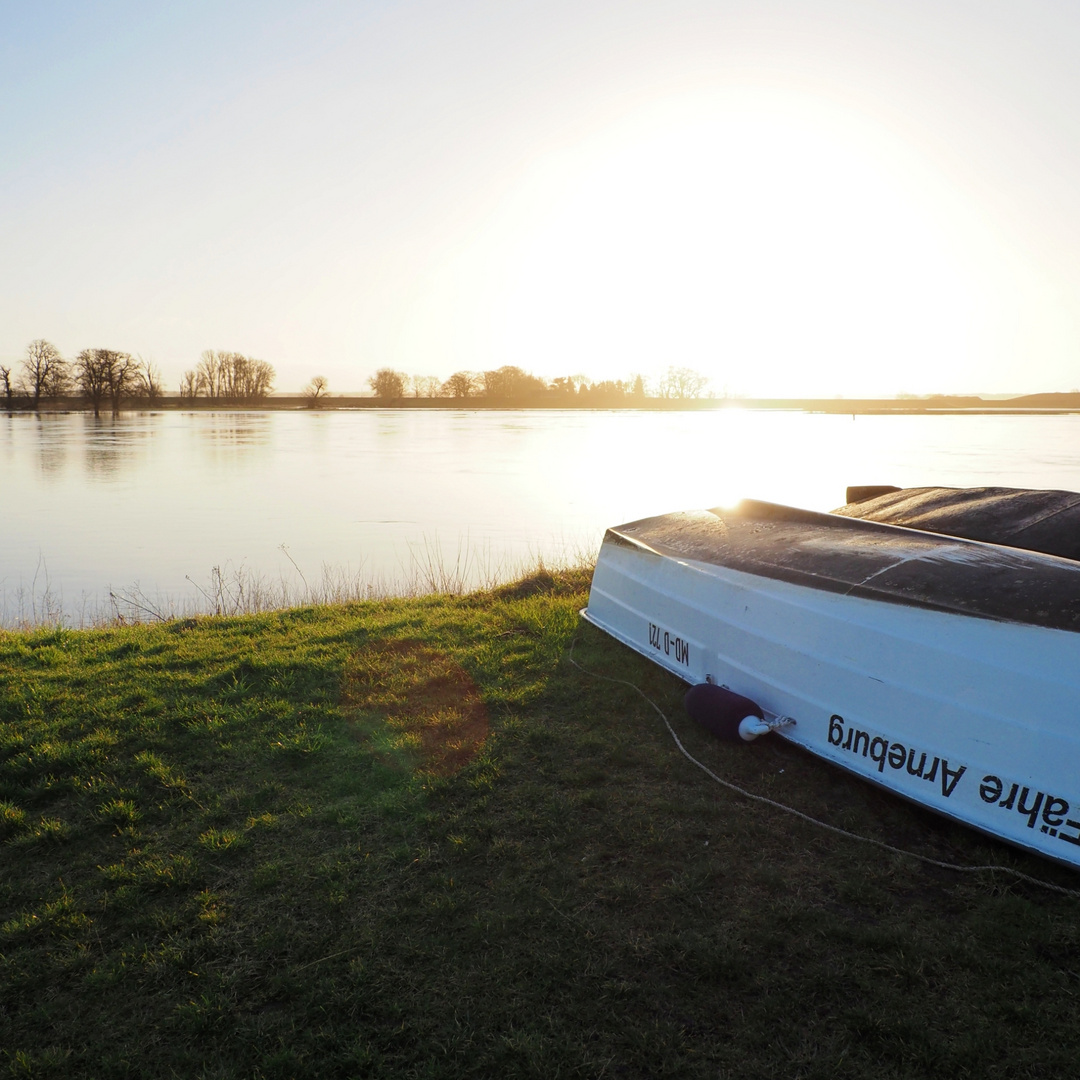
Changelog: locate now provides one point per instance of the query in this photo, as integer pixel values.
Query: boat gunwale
(969, 584)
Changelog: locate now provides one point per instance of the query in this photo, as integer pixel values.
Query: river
(176, 512)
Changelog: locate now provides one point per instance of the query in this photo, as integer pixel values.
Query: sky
(836, 197)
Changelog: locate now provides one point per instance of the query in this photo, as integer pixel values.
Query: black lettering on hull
(673, 646)
(1050, 813)
(882, 752)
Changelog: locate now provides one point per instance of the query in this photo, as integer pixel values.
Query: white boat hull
(975, 718)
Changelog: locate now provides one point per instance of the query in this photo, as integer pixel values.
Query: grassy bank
(408, 838)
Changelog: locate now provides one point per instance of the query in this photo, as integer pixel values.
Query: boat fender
(724, 713)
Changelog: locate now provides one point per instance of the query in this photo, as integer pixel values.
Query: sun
(779, 245)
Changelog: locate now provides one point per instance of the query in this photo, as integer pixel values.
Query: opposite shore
(935, 404)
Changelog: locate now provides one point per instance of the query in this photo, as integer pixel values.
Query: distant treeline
(228, 376)
(99, 376)
(110, 378)
(510, 383)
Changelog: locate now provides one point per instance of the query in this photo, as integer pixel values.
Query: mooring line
(806, 817)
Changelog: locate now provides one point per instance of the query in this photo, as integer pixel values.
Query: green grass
(407, 838)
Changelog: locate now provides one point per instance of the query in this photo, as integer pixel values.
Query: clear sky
(817, 197)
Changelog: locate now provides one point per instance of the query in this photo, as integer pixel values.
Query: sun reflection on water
(161, 499)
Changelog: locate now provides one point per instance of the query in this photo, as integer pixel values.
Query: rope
(806, 817)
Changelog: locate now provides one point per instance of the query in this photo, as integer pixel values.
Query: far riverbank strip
(1049, 403)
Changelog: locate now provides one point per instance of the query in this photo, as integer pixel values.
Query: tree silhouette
(511, 382)
(231, 376)
(45, 372)
(461, 384)
(426, 386)
(92, 376)
(209, 373)
(682, 383)
(610, 390)
(9, 390)
(189, 384)
(315, 389)
(102, 374)
(122, 375)
(147, 380)
(388, 384)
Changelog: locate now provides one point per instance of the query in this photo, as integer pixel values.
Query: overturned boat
(925, 639)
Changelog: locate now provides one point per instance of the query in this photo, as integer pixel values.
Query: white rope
(806, 817)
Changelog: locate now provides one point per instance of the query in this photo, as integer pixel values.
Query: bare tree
(461, 384)
(425, 386)
(682, 383)
(207, 374)
(148, 377)
(258, 379)
(230, 376)
(9, 390)
(45, 372)
(189, 384)
(92, 376)
(122, 373)
(388, 384)
(246, 379)
(316, 390)
(106, 374)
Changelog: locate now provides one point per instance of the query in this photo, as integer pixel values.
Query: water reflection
(236, 431)
(188, 492)
(52, 442)
(389, 424)
(113, 444)
(227, 438)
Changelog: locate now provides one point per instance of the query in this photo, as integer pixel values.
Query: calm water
(148, 504)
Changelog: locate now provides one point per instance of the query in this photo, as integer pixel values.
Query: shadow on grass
(417, 707)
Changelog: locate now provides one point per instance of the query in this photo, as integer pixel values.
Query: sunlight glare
(779, 246)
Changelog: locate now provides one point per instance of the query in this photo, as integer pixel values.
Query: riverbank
(408, 837)
(940, 404)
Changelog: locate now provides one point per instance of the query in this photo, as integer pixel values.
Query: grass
(406, 838)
